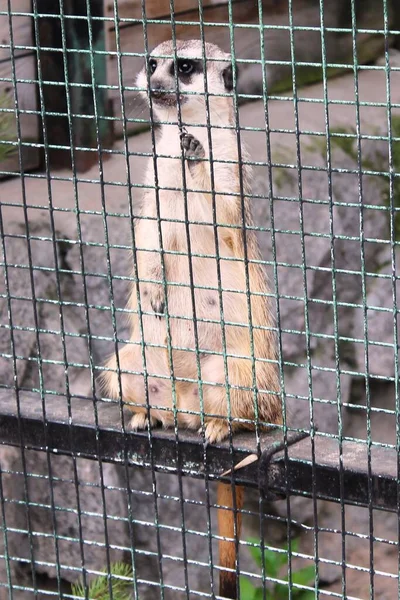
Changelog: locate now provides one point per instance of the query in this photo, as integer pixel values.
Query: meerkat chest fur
(186, 200)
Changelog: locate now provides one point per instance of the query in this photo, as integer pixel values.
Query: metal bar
(78, 436)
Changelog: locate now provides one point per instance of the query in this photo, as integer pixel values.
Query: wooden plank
(21, 28)
(25, 68)
(321, 469)
(132, 9)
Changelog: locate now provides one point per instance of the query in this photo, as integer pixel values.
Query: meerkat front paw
(216, 430)
(193, 148)
(140, 421)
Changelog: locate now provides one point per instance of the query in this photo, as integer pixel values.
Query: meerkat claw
(159, 308)
(193, 148)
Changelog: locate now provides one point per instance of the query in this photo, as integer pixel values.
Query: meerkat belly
(204, 292)
(204, 282)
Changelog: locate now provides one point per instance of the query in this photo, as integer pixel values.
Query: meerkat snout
(161, 94)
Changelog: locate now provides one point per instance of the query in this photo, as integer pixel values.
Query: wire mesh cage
(198, 299)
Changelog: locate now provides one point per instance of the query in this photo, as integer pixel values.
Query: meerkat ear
(227, 75)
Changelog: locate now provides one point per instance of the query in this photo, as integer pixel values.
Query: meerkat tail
(232, 499)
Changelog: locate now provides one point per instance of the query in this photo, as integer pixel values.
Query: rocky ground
(362, 289)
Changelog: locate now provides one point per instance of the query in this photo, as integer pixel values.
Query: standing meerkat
(191, 270)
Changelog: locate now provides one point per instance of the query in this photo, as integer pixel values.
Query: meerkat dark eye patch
(227, 75)
(152, 65)
(187, 67)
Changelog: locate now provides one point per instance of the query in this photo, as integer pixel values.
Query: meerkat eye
(152, 65)
(185, 66)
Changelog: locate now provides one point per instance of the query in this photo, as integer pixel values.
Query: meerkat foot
(216, 430)
(192, 147)
(140, 421)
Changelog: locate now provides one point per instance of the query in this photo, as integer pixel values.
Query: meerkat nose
(157, 88)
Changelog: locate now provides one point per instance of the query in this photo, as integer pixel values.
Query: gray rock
(106, 295)
(304, 245)
(18, 285)
(310, 298)
(50, 337)
(66, 506)
(53, 482)
(304, 236)
(317, 398)
(380, 320)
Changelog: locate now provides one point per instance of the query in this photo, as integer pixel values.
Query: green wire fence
(92, 509)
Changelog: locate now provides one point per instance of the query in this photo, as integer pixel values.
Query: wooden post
(86, 68)
(25, 69)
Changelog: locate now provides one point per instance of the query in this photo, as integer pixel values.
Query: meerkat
(191, 270)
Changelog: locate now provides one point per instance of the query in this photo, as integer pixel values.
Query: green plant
(99, 588)
(275, 564)
(7, 133)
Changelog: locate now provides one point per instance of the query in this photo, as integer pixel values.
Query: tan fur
(231, 245)
(229, 523)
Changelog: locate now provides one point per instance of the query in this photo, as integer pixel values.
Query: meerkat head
(191, 75)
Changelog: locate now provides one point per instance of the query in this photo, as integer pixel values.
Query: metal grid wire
(79, 492)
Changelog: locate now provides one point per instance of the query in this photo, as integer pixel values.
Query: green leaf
(273, 560)
(304, 576)
(247, 589)
(281, 592)
(272, 563)
(259, 595)
(255, 550)
(294, 543)
(305, 595)
(282, 558)
(257, 555)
